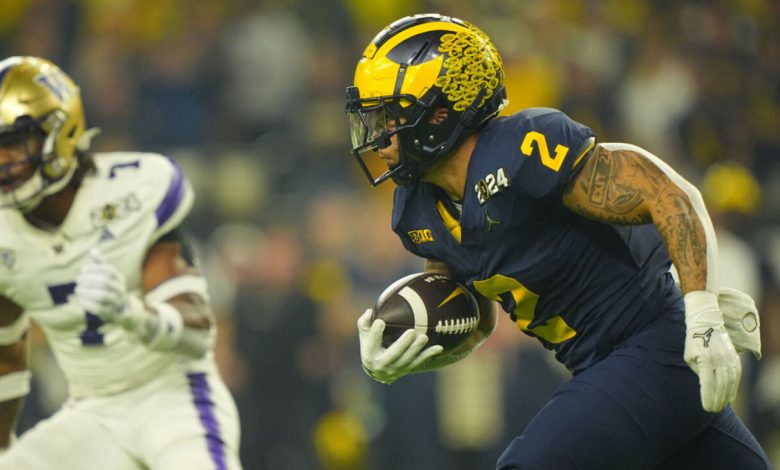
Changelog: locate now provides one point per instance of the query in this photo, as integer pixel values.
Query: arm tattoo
(614, 188)
(607, 193)
(623, 187)
(684, 237)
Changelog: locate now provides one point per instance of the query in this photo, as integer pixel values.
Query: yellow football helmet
(731, 187)
(434, 80)
(36, 97)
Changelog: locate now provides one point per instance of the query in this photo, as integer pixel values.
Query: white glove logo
(706, 336)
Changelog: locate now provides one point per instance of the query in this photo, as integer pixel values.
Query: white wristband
(12, 333)
(169, 327)
(700, 300)
(14, 385)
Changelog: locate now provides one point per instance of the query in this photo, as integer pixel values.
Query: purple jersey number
(90, 336)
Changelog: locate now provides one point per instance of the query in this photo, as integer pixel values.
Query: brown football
(434, 304)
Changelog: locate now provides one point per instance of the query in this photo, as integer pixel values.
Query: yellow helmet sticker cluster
(472, 63)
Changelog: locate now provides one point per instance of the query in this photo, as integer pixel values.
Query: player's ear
(438, 116)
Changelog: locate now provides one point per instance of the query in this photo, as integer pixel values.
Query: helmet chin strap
(464, 122)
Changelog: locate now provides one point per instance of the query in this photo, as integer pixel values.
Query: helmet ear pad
(434, 124)
(428, 131)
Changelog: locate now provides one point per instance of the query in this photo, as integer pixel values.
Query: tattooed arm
(624, 184)
(14, 376)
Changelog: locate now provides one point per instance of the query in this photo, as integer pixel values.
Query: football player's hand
(101, 289)
(387, 365)
(709, 351)
(740, 316)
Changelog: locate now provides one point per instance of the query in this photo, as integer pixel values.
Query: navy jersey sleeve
(551, 148)
(401, 199)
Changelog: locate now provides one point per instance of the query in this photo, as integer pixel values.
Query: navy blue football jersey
(581, 287)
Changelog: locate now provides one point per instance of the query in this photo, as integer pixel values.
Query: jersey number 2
(555, 330)
(552, 162)
(90, 336)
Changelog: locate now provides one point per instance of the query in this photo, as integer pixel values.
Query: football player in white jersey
(91, 252)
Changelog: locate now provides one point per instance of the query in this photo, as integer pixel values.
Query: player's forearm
(181, 324)
(679, 214)
(197, 317)
(682, 230)
(9, 414)
(14, 387)
(625, 184)
(176, 316)
(14, 384)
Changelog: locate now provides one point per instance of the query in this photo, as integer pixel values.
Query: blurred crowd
(247, 95)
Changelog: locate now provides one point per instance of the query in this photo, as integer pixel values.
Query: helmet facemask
(373, 124)
(20, 178)
(49, 175)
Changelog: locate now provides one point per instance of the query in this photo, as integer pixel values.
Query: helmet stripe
(6, 65)
(3, 73)
(388, 46)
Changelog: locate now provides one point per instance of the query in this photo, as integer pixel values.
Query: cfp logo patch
(491, 184)
(114, 210)
(421, 236)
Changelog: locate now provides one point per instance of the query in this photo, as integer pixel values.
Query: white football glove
(709, 351)
(100, 288)
(740, 316)
(402, 357)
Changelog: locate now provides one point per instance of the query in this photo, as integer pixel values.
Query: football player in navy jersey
(574, 239)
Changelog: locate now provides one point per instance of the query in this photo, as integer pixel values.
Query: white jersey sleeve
(130, 201)
(176, 201)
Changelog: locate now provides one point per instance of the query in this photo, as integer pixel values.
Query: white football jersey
(122, 209)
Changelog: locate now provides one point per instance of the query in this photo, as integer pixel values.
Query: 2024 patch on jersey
(123, 208)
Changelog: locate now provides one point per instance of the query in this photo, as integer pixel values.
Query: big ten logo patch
(421, 236)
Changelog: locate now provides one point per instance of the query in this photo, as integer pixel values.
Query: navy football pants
(628, 412)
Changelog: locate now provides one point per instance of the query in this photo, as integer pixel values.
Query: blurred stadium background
(248, 97)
